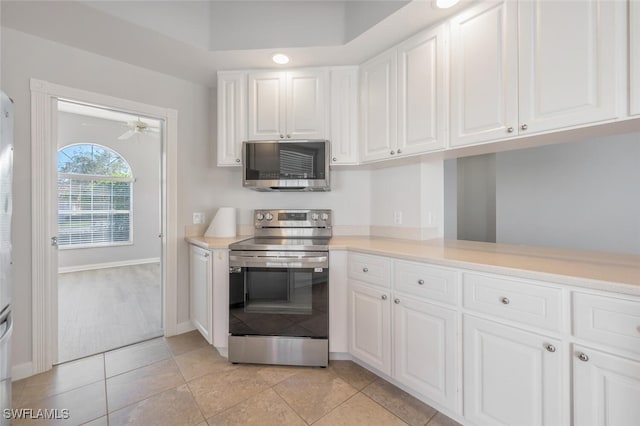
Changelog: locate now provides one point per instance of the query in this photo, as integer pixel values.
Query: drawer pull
(384, 297)
(505, 300)
(365, 269)
(396, 301)
(421, 282)
(583, 357)
(550, 348)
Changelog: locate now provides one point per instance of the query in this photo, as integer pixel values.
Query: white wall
(142, 153)
(582, 195)
(25, 57)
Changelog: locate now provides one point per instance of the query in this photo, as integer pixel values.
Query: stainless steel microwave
(286, 165)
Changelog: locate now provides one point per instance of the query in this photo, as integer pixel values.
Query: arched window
(94, 197)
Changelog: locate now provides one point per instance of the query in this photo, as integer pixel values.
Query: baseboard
(66, 269)
(21, 371)
(340, 356)
(224, 352)
(184, 327)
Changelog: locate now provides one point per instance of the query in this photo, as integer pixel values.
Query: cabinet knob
(524, 127)
(237, 160)
(421, 281)
(583, 357)
(206, 255)
(334, 159)
(505, 300)
(384, 297)
(399, 151)
(289, 136)
(365, 269)
(396, 301)
(281, 136)
(510, 129)
(393, 152)
(550, 348)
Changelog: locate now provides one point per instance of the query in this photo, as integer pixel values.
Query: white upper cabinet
(287, 105)
(378, 99)
(344, 115)
(422, 95)
(568, 66)
(533, 66)
(232, 116)
(484, 73)
(634, 59)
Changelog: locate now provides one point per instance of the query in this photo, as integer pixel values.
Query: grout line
(431, 418)
(287, 402)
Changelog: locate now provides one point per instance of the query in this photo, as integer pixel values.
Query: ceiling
(193, 39)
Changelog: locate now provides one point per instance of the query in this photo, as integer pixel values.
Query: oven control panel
(292, 218)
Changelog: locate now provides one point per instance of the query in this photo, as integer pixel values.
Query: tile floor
(184, 381)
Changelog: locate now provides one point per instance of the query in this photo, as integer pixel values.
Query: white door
(425, 349)
(606, 389)
(306, 107)
(568, 64)
(370, 326)
(344, 115)
(422, 92)
(378, 98)
(200, 280)
(634, 58)
(484, 74)
(511, 377)
(267, 109)
(232, 117)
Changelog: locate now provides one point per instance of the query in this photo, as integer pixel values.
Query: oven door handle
(279, 262)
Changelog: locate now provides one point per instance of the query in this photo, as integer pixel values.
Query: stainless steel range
(279, 290)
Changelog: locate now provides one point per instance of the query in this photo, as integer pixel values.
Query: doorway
(109, 190)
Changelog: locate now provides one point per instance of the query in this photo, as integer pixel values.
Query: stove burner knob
(314, 216)
(268, 216)
(324, 216)
(259, 216)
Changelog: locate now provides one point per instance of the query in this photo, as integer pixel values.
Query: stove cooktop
(282, 244)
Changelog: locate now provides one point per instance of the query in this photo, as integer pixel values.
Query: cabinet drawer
(426, 281)
(607, 320)
(370, 269)
(520, 301)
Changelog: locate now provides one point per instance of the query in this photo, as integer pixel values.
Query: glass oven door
(276, 300)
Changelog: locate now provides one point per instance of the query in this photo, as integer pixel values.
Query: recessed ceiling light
(445, 4)
(280, 58)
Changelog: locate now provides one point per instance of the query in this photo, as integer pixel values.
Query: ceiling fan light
(445, 4)
(280, 58)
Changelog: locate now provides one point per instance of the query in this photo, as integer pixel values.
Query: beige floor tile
(142, 383)
(359, 410)
(314, 393)
(215, 393)
(442, 420)
(62, 378)
(274, 374)
(102, 421)
(135, 356)
(264, 409)
(352, 373)
(84, 404)
(399, 402)
(186, 342)
(200, 362)
(17, 388)
(171, 407)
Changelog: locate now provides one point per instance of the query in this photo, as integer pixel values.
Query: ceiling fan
(135, 128)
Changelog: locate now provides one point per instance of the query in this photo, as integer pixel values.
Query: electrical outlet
(397, 217)
(198, 218)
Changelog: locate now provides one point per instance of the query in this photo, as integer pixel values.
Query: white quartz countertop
(595, 270)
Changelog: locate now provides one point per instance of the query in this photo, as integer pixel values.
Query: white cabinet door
(378, 99)
(267, 109)
(232, 117)
(634, 58)
(306, 105)
(484, 73)
(606, 389)
(511, 377)
(422, 93)
(425, 349)
(370, 326)
(200, 287)
(567, 69)
(344, 115)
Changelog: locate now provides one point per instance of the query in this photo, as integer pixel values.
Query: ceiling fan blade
(127, 134)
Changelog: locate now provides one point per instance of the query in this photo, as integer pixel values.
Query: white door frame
(44, 262)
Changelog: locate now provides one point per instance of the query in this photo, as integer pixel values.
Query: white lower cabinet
(511, 376)
(200, 291)
(606, 389)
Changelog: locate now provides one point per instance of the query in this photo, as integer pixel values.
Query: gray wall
(582, 195)
(476, 198)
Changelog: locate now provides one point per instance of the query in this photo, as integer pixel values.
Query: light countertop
(601, 271)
